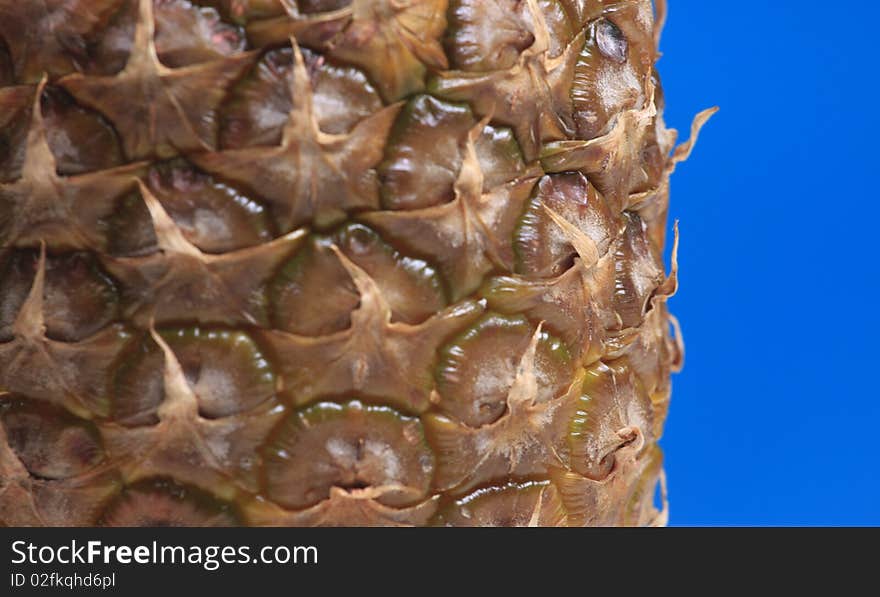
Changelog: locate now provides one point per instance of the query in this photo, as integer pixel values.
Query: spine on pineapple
(334, 262)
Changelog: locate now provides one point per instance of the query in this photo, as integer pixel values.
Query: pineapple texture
(333, 262)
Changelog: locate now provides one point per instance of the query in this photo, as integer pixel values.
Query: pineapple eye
(611, 41)
(350, 446)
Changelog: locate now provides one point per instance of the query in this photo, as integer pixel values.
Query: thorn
(30, 322)
(302, 112)
(179, 397)
(39, 161)
(168, 234)
(525, 386)
(541, 44)
(584, 245)
(469, 184)
(144, 46)
(372, 301)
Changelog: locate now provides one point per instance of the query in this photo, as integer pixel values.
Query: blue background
(774, 419)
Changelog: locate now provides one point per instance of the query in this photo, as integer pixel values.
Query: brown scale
(531, 96)
(472, 46)
(16, 102)
(177, 107)
(80, 139)
(177, 20)
(429, 131)
(576, 305)
(180, 280)
(79, 298)
(62, 211)
(626, 497)
(467, 237)
(68, 373)
(313, 294)
(70, 130)
(344, 262)
(186, 34)
(259, 105)
(394, 43)
(217, 454)
(51, 37)
(375, 356)
(611, 71)
(613, 413)
(527, 440)
(311, 175)
(53, 468)
(650, 352)
(542, 247)
(50, 442)
(214, 217)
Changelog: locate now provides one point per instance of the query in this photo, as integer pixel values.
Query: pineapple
(333, 262)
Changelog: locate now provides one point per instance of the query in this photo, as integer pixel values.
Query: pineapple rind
(253, 256)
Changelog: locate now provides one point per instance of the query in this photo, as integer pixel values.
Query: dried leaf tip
(683, 151)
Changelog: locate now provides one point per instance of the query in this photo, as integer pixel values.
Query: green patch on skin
(161, 501)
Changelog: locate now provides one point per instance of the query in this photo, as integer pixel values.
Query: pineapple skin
(333, 263)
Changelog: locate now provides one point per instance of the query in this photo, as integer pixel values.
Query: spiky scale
(375, 357)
